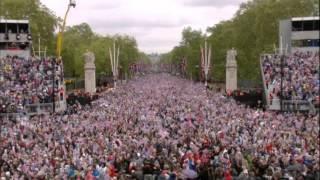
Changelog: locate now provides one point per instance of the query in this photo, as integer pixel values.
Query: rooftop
(14, 21)
(305, 18)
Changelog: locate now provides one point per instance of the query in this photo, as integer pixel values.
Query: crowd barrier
(13, 116)
(35, 109)
(44, 108)
(295, 105)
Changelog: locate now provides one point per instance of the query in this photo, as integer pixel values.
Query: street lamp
(53, 84)
(282, 54)
(72, 3)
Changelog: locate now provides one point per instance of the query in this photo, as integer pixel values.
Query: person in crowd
(28, 81)
(300, 75)
(161, 127)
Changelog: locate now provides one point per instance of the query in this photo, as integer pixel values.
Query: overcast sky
(156, 24)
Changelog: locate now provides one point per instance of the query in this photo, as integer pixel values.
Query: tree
(189, 48)
(80, 38)
(252, 31)
(77, 40)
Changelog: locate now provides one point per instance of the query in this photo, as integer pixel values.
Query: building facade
(299, 34)
(15, 38)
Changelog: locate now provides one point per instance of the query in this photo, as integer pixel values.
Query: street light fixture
(53, 85)
(72, 3)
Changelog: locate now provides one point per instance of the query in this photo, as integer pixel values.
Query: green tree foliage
(32, 10)
(76, 40)
(144, 58)
(252, 31)
(80, 38)
(75, 43)
(189, 48)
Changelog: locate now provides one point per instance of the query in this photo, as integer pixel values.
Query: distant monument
(231, 70)
(89, 73)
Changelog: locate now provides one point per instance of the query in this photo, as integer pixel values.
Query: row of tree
(77, 39)
(253, 30)
(80, 38)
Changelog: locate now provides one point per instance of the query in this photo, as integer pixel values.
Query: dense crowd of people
(27, 81)
(300, 75)
(75, 100)
(250, 97)
(162, 127)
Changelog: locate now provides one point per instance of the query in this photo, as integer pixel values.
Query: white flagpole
(205, 52)
(280, 48)
(209, 58)
(45, 52)
(202, 55)
(110, 53)
(39, 46)
(118, 52)
(114, 57)
(206, 60)
(34, 52)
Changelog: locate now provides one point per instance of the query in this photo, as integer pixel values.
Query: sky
(155, 24)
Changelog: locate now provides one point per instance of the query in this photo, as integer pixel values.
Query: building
(15, 38)
(299, 33)
(154, 57)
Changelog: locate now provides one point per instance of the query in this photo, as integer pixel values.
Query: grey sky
(156, 25)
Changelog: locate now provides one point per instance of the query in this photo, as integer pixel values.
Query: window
(306, 43)
(23, 28)
(2, 28)
(296, 26)
(316, 25)
(3, 45)
(311, 25)
(12, 28)
(308, 26)
(316, 42)
(297, 43)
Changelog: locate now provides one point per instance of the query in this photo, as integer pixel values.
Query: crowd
(250, 97)
(77, 99)
(81, 97)
(300, 75)
(162, 127)
(27, 81)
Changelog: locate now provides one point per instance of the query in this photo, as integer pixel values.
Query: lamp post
(72, 3)
(53, 85)
(282, 54)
